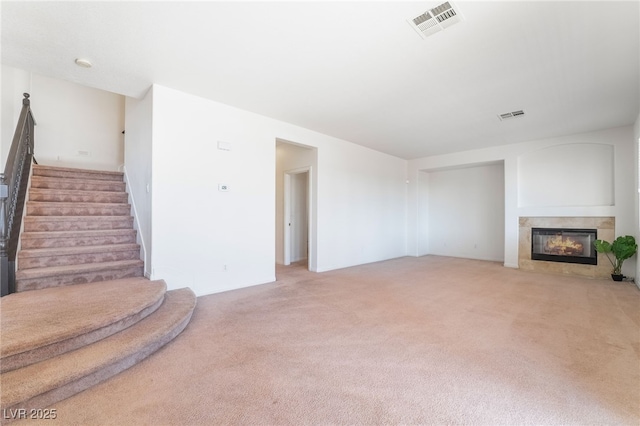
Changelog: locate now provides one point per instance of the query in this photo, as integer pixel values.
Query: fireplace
(605, 230)
(564, 245)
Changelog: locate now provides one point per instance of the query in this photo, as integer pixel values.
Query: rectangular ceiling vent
(436, 19)
(509, 115)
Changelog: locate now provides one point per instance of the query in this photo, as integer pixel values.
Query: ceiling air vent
(509, 115)
(436, 19)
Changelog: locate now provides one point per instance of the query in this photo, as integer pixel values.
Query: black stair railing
(13, 193)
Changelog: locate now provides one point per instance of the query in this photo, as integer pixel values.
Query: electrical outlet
(223, 187)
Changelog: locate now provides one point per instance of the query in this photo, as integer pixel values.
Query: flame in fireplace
(563, 246)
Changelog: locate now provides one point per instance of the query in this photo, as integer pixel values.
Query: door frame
(311, 260)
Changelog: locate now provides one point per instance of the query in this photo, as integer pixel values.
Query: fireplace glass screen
(564, 245)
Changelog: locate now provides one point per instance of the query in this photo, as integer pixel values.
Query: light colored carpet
(430, 340)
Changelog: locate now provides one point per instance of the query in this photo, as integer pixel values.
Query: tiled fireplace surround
(606, 231)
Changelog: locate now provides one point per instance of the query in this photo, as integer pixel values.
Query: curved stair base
(46, 382)
(36, 327)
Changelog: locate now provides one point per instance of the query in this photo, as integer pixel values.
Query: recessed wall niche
(567, 175)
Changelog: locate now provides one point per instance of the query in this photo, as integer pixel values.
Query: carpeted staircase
(77, 229)
(82, 312)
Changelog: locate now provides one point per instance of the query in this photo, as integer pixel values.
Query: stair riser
(77, 259)
(40, 283)
(69, 210)
(96, 197)
(35, 243)
(65, 174)
(71, 184)
(72, 224)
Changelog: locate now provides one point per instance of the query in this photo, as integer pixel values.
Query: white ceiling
(355, 70)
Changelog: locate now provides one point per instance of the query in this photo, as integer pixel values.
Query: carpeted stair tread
(42, 324)
(69, 223)
(55, 271)
(59, 256)
(77, 196)
(69, 234)
(52, 380)
(81, 240)
(41, 278)
(63, 172)
(62, 251)
(46, 208)
(44, 182)
(51, 239)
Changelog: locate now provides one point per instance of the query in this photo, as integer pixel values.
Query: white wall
(299, 216)
(198, 230)
(622, 141)
(291, 157)
(78, 126)
(466, 212)
(361, 206)
(551, 175)
(636, 133)
(137, 160)
(14, 82)
(421, 214)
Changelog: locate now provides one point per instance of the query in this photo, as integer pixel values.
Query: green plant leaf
(602, 246)
(624, 247)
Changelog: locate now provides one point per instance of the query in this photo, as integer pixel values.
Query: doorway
(296, 215)
(296, 228)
